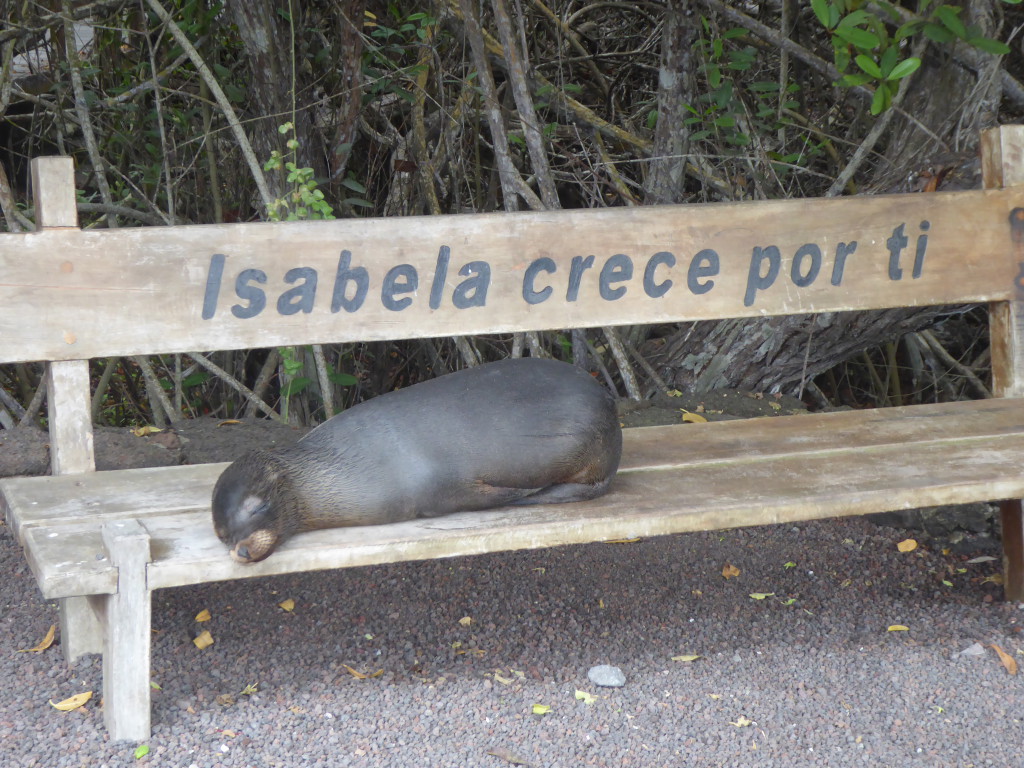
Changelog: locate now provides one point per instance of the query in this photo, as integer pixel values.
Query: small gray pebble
(607, 676)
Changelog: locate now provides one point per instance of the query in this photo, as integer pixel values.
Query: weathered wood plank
(126, 649)
(71, 438)
(745, 489)
(141, 493)
(53, 191)
(1003, 166)
(75, 295)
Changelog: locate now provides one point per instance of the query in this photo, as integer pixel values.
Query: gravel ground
(807, 677)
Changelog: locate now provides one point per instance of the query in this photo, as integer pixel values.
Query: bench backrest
(70, 295)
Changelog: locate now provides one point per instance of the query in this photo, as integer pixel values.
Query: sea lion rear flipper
(565, 492)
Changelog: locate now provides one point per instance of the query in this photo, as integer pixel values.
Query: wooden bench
(101, 542)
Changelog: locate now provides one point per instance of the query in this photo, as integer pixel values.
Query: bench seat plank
(99, 496)
(674, 479)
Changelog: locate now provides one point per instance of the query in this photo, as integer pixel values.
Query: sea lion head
(250, 506)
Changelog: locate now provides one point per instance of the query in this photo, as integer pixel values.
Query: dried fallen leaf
(692, 418)
(45, 643)
(499, 678)
(541, 709)
(287, 605)
(1008, 661)
(995, 578)
(360, 675)
(907, 545)
(203, 615)
(730, 570)
(143, 431)
(742, 722)
(686, 657)
(205, 640)
(508, 757)
(466, 621)
(73, 702)
(225, 699)
(623, 541)
(586, 698)
(897, 628)
(228, 422)
(981, 559)
(250, 689)
(761, 595)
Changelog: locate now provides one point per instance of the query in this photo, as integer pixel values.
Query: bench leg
(80, 629)
(1013, 549)
(126, 649)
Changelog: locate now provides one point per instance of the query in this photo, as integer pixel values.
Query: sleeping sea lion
(522, 431)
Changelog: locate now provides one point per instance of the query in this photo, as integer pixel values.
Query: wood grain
(82, 294)
(674, 479)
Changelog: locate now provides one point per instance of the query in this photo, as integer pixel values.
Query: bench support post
(80, 629)
(126, 647)
(1002, 165)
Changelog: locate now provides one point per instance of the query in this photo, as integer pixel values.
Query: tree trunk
(781, 354)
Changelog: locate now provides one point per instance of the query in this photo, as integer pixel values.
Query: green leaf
(343, 379)
(904, 68)
(950, 18)
(937, 34)
(988, 45)
(141, 751)
(850, 81)
(869, 65)
(890, 58)
(880, 101)
(859, 38)
(822, 11)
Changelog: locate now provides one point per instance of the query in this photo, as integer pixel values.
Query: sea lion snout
(255, 547)
(244, 513)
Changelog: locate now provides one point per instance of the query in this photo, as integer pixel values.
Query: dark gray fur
(526, 431)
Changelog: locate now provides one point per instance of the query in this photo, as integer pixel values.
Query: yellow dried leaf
(466, 621)
(541, 709)
(715, 696)
(499, 678)
(742, 722)
(1009, 663)
(907, 545)
(45, 643)
(623, 541)
(586, 698)
(360, 675)
(692, 418)
(686, 657)
(761, 595)
(287, 605)
(203, 615)
(143, 431)
(228, 422)
(730, 570)
(205, 640)
(249, 690)
(995, 578)
(74, 702)
(898, 628)
(600, 603)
